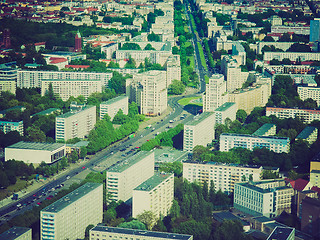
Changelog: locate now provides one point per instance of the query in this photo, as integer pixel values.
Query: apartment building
(149, 91)
(8, 86)
(112, 106)
(76, 123)
(239, 53)
(199, 131)
(34, 152)
(315, 170)
(223, 175)
(173, 69)
(233, 140)
(308, 134)
(293, 56)
(71, 88)
(104, 232)
(109, 49)
(226, 110)
(17, 233)
(247, 99)
(267, 129)
(309, 92)
(8, 126)
(215, 94)
(33, 78)
(128, 174)
(268, 198)
(310, 216)
(68, 217)
(306, 115)
(282, 233)
(315, 30)
(155, 195)
(300, 30)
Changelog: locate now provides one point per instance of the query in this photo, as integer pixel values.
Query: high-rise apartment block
(33, 78)
(77, 123)
(306, 115)
(215, 94)
(68, 217)
(112, 106)
(233, 140)
(17, 233)
(173, 69)
(109, 49)
(71, 88)
(127, 175)
(268, 197)
(292, 56)
(315, 30)
(223, 176)
(104, 232)
(149, 91)
(226, 110)
(199, 131)
(155, 195)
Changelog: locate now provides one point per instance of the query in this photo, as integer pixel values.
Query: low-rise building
(8, 126)
(226, 110)
(77, 123)
(112, 106)
(155, 195)
(68, 217)
(199, 131)
(309, 134)
(233, 140)
(128, 174)
(292, 56)
(309, 92)
(268, 198)
(17, 233)
(267, 129)
(101, 232)
(33, 152)
(306, 115)
(282, 233)
(222, 175)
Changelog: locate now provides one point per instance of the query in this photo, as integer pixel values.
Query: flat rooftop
(224, 106)
(36, 146)
(154, 181)
(263, 129)
(251, 136)
(71, 113)
(14, 233)
(281, 233)
(113, 100)
(198, 119)
(65, 201)
(47, 112)
(124, 165)
(222, 164)
(306, 132)
(142, 233)
(71, 80)
(166, 154)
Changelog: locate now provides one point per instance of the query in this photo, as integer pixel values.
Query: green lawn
(188, 101)
(203, 60)
(20, 184)
(192, 64)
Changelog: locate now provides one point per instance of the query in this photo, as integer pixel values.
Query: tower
(78, 43)
(6, 38)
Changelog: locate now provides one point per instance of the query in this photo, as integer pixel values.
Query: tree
(175, 210)
(152, 37)
(83, 152)
(230, 230)
(117, 83)
(148, 218)
(130, 46)
(34, 134)
(149, 47)
(133, 109)
(120, 118)
(269, 174)
(131, 63)
(134, 224)
(241, 115)
(113, 65)
(176, 87)
(4, 181)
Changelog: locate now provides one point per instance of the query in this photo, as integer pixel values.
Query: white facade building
(306, 115)
(293, 56)
(199, 131)
(8, 126)
(112, 106)
(17, 233)
(33, 152)
(33, 78)
(155, 195)
(149, 91)
(173, 69)
(77, 123)
(127, 175)
(222, 175)
(104, 232)
(309, 92)
(109, 49)
(232, 140)
(227, 110)
(215, 94)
